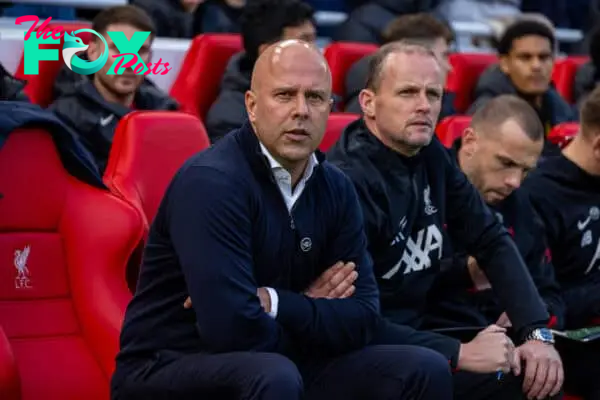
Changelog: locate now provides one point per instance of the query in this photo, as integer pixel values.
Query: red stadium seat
(148, 149)
(39, 87)
(340, 57)
(197, 84)
(462, 79)
(63, 246)
(563, 75)
(336, 124)
(10, 383)
(563, 133)
(451, 128)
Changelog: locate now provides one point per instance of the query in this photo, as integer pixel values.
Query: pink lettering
(129, 63)
(40, 31)
(167, 69)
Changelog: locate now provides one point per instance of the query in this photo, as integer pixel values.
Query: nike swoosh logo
(105, 121)
(581, 225)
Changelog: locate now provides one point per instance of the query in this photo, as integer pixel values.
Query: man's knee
(278, 373)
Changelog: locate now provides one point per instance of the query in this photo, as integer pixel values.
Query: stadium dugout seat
(563, 133)
(39, 87)
(197, 84)
(451, 128)
(64, 246)
(340, 56)
(462, 79)
(336, 124)
(148, 149)
(10, 383)
(563, 75)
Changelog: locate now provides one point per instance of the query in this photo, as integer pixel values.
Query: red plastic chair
(562, 134)
(64, 246)
(340, 57)
(451, 128)
(563, 75)
(336, 124)
(462, 79)
(39, 87)
(197, 84)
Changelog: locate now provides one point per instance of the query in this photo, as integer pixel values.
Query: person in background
(526, 51)
(423, 27)
(413, 197)
(263, 23)
(93, 105)
(266, 238)
(188, 18)
(496, 152)
(11, 88)
(588, 75)
(565, 191)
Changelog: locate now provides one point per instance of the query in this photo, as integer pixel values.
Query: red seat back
(340, 57)
(197, 84)
(148, 149)
(451, 128)
(563, 133)
(462, 79)
(39, 87)
(64, 246)
(563, 75)
(336, 124)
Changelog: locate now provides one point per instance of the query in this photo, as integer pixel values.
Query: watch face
(546, 335)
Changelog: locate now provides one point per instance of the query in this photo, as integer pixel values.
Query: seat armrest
(10, 382)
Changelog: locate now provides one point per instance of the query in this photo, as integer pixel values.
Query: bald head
(288, 55)
(289, 101)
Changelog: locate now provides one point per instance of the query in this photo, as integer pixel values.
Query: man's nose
(301, 105)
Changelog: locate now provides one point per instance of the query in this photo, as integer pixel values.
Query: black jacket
(406, 203)
(228, 111)
(453, 301)
(11, 88)
(81, 107)
(356, 78)
(568, 200)
(76, 159)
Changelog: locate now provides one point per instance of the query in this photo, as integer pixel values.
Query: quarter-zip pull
(292, 223)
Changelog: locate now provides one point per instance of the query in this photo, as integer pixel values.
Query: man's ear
(366, 98)
(95, 49)
(250, 101)
(469, 141)
(504, 64)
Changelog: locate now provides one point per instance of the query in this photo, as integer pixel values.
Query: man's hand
(337, 282)
(490, 351)
(262, 293)
(544, 373)
(477, 276)
(504, 321)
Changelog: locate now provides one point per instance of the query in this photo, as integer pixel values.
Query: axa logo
(420, 248)
(128, 56)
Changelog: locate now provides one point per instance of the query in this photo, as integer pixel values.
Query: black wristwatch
(543, 335)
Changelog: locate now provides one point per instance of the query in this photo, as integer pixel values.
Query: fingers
(493, 329)
(539, 381)
(516, 362)
(549, 380)
(188, 303)
(530, 372)
(342, 282)
(326, 276)
(560, 379)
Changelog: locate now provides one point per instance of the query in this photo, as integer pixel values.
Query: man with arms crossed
(246, 229)
(409, 188)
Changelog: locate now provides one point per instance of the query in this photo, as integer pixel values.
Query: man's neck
(111, 97)
(406, 151)
(578, 151)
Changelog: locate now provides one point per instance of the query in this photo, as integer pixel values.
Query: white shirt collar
(276, 166)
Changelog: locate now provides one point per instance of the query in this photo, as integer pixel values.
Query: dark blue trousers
(374, 373)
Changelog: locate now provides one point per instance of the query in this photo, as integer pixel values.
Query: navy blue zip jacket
(222, 231)
(454, 301)
(567, 199)
(406, 202)
(74, 156)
